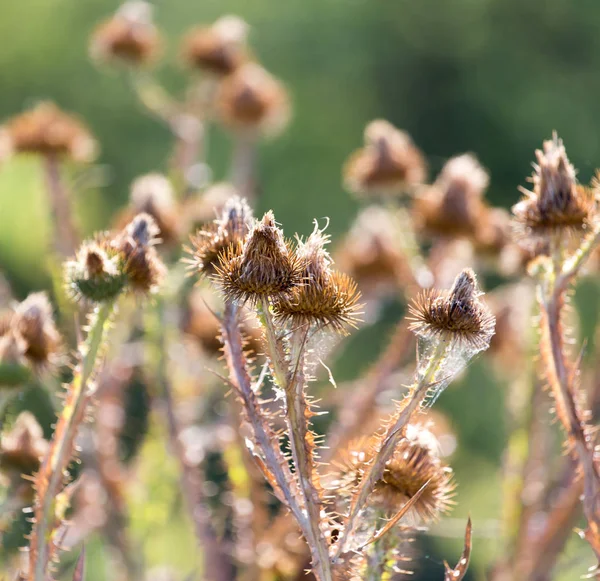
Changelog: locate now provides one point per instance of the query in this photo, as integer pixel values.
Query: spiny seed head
(14, 368)
(457, 315)
(129, 36)
(229, 230)
(325, 297)
(22, 448)
(388, 164)
(46, 130)
(264, 266)
(414, 463)
(33, 323)
(219, 49)
(136, 246)
(252, 101)
(96, 274)
(557, 203)
(454, 205)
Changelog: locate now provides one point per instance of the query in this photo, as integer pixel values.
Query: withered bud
(557, 203)
(153, 194)
(326, 298)
(228, 231)
(251, 100)
(46, 130)
(414, 463)
(129, 36)
(388, 164)
(33, 322)
(264, 266)
(453, 206)
(219, 49)
(14, 368)
(136, 246)
(96, 274)
(22, 448)
(456, 316)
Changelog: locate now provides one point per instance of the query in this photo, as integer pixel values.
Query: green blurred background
(490, 76)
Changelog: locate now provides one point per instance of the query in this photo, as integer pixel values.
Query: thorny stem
(279, 474)
(291, 379)
(412, 403)
(65, 237)
(51, 473)
(218, 565)
(562, 377)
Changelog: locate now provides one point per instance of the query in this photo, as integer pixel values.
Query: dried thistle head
(22, 448)
(228, 231)
(251, 100)
(129, 36)
(219, 49)
(153, 194)
(388, 164)
(136, 246)
(557, 203)
(96, 274)
(326, 298)
(263, 266)
(198, 210)
(46, 130)
(493, 233)
(414, 463)
(456, 316)
(33, 324)
(453, 206)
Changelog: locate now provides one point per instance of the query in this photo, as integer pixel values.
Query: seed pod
(264, 266)
(453, 206)
(325, 298)
(128, 37)
(228, 231)
(388, 164)
(46, 130)
(22, 448)
(96, 274)
(219, 49)
(456, 316)
(252, 101)
(136, 247)
(557, 203)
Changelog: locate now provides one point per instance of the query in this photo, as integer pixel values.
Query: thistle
(219, 49)
(389, 163)
(128, 37)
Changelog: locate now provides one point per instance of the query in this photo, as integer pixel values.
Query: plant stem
(290, 377)
(243, 167)
(410, 405)
(51, 473)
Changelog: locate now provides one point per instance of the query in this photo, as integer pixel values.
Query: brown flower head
(264, 266)
(228, 231)
(129, 36)
(414, 463)
(557, 203)
(33, 323)
(326, 297)
(252, 100)
(22, 448)
(46, 130)
(388, 164)
(202, 208)
(219, 49)
(494, 232)
(457, 315)
(153, 194)
(453, 206)
(136, 246)
(96, 274)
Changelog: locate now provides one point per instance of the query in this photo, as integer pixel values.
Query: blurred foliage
(490, 76)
